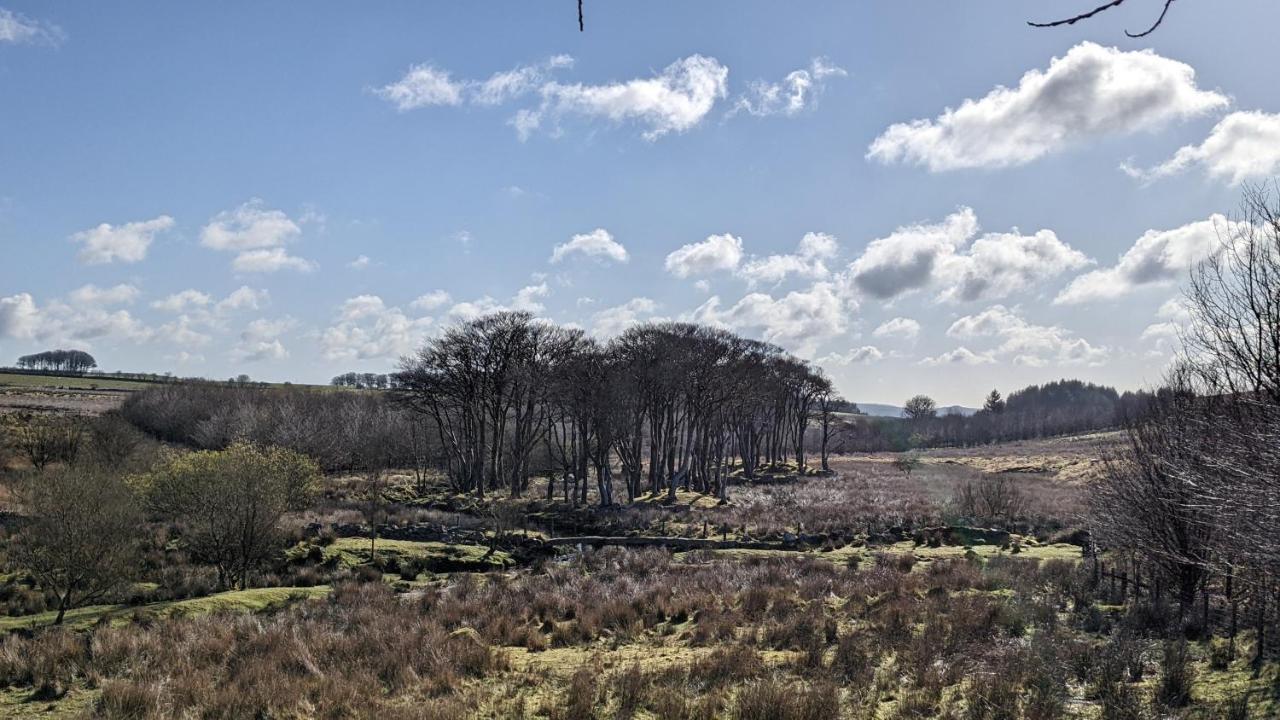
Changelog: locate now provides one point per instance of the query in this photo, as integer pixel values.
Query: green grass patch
(251, 600)
(435, 556)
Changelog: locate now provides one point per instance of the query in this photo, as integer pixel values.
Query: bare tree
(81, 536)
(47, 439)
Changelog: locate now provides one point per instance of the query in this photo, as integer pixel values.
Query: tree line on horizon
(74, 361)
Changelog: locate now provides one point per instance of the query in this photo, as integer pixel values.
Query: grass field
(19, 380)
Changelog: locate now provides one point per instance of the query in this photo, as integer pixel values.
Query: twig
(1159, 20)
(581, 28)
(1102, 8)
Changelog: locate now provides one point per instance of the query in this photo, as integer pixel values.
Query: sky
(920, 197)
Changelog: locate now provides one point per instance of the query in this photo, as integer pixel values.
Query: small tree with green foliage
(228, 503)
(906, 463)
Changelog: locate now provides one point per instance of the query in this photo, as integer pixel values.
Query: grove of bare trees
(677, 405)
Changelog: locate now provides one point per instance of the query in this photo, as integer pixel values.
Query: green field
(19, 380)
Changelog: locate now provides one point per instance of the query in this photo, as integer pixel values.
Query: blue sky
(294, 192)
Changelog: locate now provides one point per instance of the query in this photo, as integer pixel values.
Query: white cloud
(856, 356)
(899, 327)
(19, 316)
(122, 294)
(1242, 146)
(472, 309)
(994, 266)
(243, 298)
(360, 263)
(249, 227)
(676, 100)
(19, 29)
(1158, 257)
(180, 301)
(184, 332)
(258, 235)
(1092, 91)
(960, 356)
(527, 298)
(906, 259)
(995, 320)
(799, 90)
(716, 253)
(270, 260)
(597, 244)
(1000, 264)
(799, 321)
(807, 262)
(430, 301)
(519, 81)
(421, 86)
(1027, 343)
(261, 340)
(366, 328)
(127, 243)
(614, 320)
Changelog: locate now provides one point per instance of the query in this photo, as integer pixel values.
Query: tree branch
(581, 27)
(1103, 8)
(1159, 20)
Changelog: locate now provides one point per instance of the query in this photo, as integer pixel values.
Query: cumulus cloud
(856, 356)
(1090, 92)
(959, 356)
(18, 29)
(899, 327)
(597, 244)
(249, 227)
(807, 261)
(675, 100)
(993, 266)
(367, 328)
(122, 294)
(243, 298)
(75, 320)
(422, 86)
(715, 254)
(258, 235)
(1158, 257)
(1000, 264)
(907, 258)
(180, 301)
(126, 243)
(517, 82)
(431, 301)
(261, 340)
(1242, 146)
(360, 263)
(269, 260)
(799, 321)
(614, 320)
(1026, 343)
(528, 298)
(19, 316)
(799, 90)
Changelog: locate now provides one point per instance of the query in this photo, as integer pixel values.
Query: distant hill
(881, 410)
